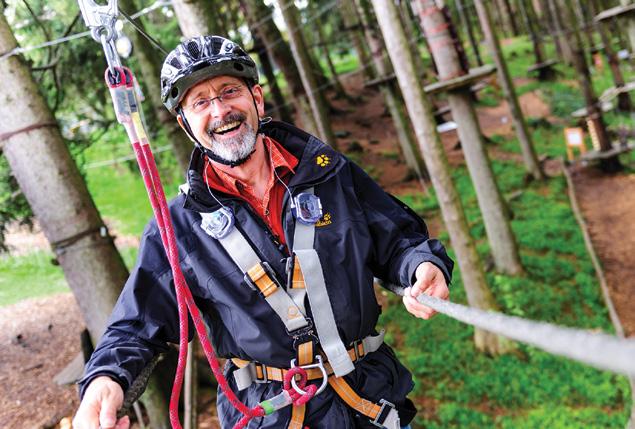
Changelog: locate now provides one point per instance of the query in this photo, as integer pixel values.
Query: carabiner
(100, 17)
(320, 365)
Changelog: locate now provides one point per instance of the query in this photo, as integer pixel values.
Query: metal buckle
(307, 208)
(356, 343)
(268, 271)
(218, 223)
(384, 404)
(265, 378)
(320, 365)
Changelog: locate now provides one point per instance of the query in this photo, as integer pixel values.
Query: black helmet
(201, 58)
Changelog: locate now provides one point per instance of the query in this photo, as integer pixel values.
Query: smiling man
(279, 238)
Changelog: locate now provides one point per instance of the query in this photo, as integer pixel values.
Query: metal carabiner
(320, 365)
(100, 18)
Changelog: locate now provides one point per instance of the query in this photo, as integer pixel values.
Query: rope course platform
(617, 149)
(611, 93)
(614, 12)
(459, 82)
(541, 66)
(606, 106)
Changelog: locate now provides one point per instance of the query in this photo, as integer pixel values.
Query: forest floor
(39, 337)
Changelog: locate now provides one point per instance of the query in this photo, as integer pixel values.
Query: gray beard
(237, 148)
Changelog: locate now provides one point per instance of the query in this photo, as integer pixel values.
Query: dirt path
(608, 207)
(38, 338)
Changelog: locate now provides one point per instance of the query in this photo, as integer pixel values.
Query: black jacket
(364, 233)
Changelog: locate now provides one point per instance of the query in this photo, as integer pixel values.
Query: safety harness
(331, 360)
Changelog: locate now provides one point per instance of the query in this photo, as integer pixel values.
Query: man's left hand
(429, 280)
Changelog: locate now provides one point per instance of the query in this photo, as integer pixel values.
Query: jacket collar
(317, 163)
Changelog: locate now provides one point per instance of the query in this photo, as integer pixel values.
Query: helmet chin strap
(211, 155)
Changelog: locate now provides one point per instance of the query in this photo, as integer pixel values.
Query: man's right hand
(98, 410)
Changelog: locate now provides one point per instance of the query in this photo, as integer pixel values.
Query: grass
(29, 276)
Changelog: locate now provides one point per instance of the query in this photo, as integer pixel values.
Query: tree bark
(392, 96)
(150, 69)
(260, 19)
(194, 17)
(630, 30)
(497, 227)
(526, 145)
(420, 111)
(301, 55)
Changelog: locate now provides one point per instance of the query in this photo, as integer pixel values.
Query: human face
(226, 125)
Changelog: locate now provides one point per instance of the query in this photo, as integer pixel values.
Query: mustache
(232, 117)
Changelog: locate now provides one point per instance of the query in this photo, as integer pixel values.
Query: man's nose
(218, 108)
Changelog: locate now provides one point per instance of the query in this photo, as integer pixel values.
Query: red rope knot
(309, 392)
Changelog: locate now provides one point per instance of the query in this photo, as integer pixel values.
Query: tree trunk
(466, 22)
(509, 11)
(420, 111)
(281, 108)
(150, 69)
(497, 227)
(195, 17)
(355, 30)
(301, 55)
(392, 96)
(56, 192)
(260, 19)
(562, 32)
(524, 138)
(323, 46)
(597, 127)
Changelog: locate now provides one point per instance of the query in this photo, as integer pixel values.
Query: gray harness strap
(323, 317)
(244, 256)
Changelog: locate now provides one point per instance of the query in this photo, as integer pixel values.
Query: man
(279, 239)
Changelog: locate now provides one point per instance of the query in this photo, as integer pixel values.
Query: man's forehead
(214, 84)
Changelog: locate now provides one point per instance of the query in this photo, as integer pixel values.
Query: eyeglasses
(226, 95)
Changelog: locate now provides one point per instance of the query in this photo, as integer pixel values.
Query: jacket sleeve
(143, 321)
(400, 237)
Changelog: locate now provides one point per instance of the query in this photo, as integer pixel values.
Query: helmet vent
(174, 62)
(216, 45)
(193, 49)
(239, 67)
(175, 92)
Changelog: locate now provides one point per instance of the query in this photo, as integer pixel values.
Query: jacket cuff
(438, 262)
(114, 373)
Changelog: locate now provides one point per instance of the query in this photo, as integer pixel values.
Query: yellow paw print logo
(327, 217)
(323, 160)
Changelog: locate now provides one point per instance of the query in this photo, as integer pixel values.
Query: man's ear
(179, 119)
(259, 99)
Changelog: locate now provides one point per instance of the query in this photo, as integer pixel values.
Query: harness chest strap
(259, 276)
(323, 318)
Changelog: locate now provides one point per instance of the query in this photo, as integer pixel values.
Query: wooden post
(499, 234)
(597, 128)
(420, 111)
(301, 55)
(190, 388)
(526, 145)
(392, 96)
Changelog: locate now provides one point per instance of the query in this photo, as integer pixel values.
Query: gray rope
(137, 388)
(596, 349)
